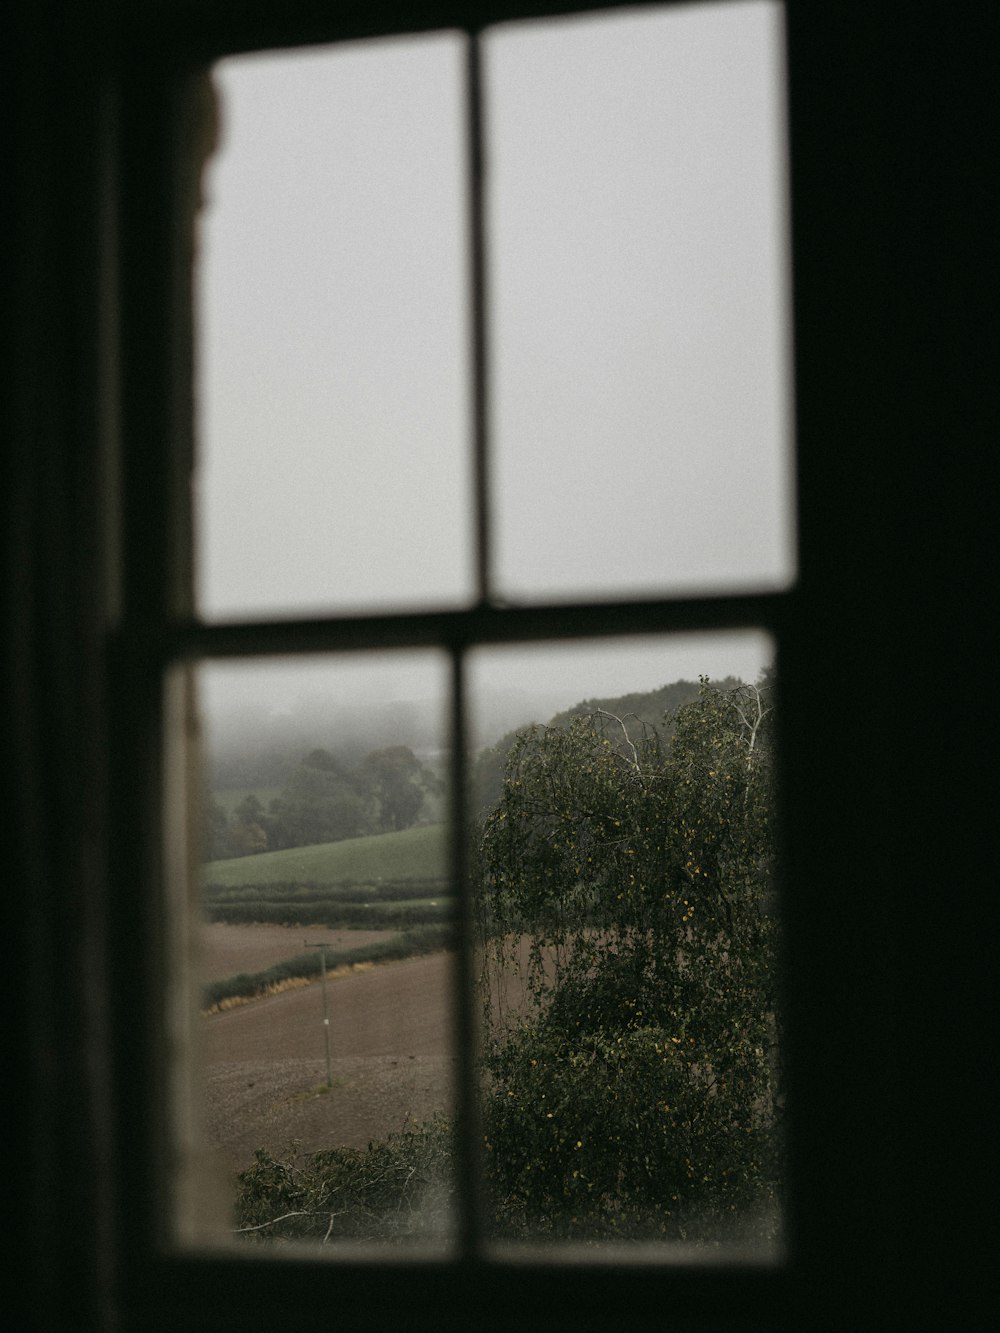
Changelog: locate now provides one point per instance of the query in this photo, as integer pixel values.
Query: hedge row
(374, 916)
(360, 892)
(408, 944)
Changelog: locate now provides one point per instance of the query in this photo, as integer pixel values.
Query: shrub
(399, 1189)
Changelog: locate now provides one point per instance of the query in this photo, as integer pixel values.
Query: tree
(320, 802)
(250, 810)
(246, 835)
(634, 1090)
(486, 774)
(214, 829)
(399, 784)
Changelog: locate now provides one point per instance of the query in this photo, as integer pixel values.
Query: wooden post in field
(326, 1015)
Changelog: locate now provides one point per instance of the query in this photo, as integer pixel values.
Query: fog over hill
(257, 715)
(258, 721)
(248, 743)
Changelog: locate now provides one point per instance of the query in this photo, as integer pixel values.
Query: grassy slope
(416, 853)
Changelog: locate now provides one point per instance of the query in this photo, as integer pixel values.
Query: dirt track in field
(265, 1064)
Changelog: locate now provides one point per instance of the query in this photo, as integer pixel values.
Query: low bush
(395, 1190)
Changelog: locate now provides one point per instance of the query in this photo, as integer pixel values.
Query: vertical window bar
(467, 1135)
(467, 1109)
(477, 260)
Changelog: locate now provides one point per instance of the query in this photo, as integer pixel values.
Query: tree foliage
(323, 799)
(318, 803)
(634, 1092)
(399, 784)
(396, 1190)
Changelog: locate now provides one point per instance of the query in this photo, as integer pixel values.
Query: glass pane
(637, 237)
(323, 940)
(623, 852)
(331, 335)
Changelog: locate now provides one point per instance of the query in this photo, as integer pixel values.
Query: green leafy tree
(320, 802)
(250, 810)
(399, 784)
(246, 834)
(633, 1092)
(214, 830)
(487, 772)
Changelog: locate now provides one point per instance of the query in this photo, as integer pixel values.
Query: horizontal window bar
(191, 30)
(457, 629)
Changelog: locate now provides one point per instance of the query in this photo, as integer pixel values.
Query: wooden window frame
(888, 933)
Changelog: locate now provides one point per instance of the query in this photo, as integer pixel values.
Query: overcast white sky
(640, 408)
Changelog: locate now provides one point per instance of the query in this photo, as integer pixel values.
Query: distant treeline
(322, 799)
(326, 796)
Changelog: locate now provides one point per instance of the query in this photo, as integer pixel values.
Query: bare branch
(601, 712)
(301, 1212)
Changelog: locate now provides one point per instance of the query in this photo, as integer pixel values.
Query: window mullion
(467, 1107)
(479, 360)
(467, 1135)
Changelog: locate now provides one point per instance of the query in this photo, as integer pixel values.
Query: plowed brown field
(264, 1063)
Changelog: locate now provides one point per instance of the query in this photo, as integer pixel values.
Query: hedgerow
(375, 906)
(247, 985)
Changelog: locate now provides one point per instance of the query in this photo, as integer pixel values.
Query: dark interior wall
(889, 708)
(893, 125)
(56, 1057)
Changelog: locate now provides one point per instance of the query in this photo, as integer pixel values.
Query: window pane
(332, 363)
(628, 938)
(324, 949)
(637, 238)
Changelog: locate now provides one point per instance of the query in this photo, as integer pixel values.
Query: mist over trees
(398, 784)
(249, 744)
(324, 799)
(652, 709)
(322, 772)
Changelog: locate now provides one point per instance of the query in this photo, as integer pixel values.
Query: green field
(415, 853)
(387, 881)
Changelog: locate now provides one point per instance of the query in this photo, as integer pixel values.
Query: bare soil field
(226, 950)
(264, 1063)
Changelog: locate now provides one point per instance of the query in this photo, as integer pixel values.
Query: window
(629, 234)
(890, 955)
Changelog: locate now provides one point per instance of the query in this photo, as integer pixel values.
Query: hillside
(415, 853)
(649, 707)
